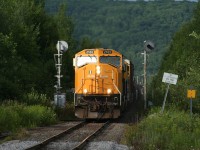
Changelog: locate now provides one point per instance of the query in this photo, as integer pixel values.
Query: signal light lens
(85, 91)
(109, 91)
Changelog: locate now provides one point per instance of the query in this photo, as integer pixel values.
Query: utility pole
(145, 79)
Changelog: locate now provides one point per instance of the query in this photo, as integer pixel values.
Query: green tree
(124, 25)
(28, 37)
(182, 58)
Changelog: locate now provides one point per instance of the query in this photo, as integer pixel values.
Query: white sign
(170, 78)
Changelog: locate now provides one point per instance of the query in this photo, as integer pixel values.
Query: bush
(171, 130)
(38, 115)
(9, 120)
(34, 98)
(14, 116)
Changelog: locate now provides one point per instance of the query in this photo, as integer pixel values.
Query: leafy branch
(194, 34)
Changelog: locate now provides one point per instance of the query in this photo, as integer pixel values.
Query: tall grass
(35, 98)
(14, 116)
(169, 131)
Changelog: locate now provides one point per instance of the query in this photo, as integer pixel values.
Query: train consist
(104, 83)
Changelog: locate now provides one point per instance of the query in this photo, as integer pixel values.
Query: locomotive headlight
(109, 91)
(85, 91)
(98, 69)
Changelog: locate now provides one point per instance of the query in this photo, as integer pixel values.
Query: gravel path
(102, 145)
(113, 133)
(106, 145)
(17, 145)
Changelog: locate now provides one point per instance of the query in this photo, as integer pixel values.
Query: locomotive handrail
(119, 93)
(117, 88)
(77, 91)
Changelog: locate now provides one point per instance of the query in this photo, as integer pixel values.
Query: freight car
(103, 83)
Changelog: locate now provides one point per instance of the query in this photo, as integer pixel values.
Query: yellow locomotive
(103, 83)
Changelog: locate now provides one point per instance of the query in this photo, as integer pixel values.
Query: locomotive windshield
(83, 60)
(111, 60)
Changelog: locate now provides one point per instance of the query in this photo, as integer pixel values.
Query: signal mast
(59, 98)
(148, 47)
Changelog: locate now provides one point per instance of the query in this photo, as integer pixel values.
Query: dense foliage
(183, 59)
(14, 116)
(28, 38)
(172, 130)
(124, 25)
(27, 43)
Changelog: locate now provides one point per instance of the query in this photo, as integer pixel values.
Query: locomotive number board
(107, 52)
(89, 52)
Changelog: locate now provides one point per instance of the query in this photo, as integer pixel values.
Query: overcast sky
(175, 0)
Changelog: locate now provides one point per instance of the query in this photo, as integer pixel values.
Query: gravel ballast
(17, 145)
(102, 145)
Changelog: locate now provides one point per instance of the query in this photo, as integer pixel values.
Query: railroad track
(4, 135)
(73, 133)
(91, 136)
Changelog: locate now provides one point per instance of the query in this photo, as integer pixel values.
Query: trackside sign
(170, 78)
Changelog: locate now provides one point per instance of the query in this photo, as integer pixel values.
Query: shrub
(171, 130)
(34, 98)
(9, 120)
(38, 115)
(14, 116)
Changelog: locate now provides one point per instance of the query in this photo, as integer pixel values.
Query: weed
(14, 116)
(172, 130)
(34, 98)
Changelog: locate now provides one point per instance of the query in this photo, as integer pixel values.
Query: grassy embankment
(34, 110)
(14, 116)
(172, 130)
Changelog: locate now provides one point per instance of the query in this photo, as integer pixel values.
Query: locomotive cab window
(111, 60)
(84, 60)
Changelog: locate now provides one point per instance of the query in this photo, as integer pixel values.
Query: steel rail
(90, 137)
(3, 136)
(47, 141)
